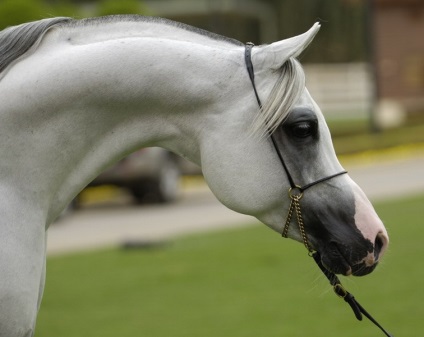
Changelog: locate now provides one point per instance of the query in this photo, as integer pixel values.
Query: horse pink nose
(370, 225)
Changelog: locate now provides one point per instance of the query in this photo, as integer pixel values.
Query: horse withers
(78, 95)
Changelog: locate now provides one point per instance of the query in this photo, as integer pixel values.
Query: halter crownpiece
(295, 194)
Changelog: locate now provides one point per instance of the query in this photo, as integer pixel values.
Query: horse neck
(89, 108)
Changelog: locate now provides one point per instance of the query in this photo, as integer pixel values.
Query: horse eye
(303, 129)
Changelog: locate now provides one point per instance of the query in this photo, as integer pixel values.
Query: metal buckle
(340, 290)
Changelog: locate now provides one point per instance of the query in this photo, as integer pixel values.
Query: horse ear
(276, 54)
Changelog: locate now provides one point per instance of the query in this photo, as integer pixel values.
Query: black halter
(295, 194)
(249, 65)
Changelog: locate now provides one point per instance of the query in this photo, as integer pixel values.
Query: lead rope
(295, 195)
(338, 288)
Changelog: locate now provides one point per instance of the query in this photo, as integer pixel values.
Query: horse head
(291, 146)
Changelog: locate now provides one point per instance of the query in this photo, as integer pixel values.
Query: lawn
(242, 282)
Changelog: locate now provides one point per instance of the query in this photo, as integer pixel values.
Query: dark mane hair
(17, 40)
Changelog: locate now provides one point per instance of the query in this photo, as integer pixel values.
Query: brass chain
(288, 219)
(300, 223)
(295, 205)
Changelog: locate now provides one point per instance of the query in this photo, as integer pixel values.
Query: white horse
(78, 95)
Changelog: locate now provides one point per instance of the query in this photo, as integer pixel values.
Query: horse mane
(285, 93)
(17, 40)
(152, 19)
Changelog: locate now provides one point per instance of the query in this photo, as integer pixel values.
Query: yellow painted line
(93, 195)
(191, 181)
(375, 156)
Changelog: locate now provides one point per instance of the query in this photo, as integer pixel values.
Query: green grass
(244, 282)
(352, 136)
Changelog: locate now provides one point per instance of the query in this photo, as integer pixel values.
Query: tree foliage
(14, 12)
(342, 38)
(343, 33)
(109, 7)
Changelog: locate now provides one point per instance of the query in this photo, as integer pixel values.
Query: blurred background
(365, 69)
(365, 64)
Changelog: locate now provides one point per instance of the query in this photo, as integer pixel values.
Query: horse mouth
(334, 260)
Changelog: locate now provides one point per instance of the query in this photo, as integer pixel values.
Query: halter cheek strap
(295, 195)
(295, 191)
(249, 66)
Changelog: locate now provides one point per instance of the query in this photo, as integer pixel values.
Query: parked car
(150, 174)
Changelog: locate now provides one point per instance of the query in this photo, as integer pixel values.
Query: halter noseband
(295, 194)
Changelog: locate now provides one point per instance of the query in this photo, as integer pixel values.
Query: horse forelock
(283, 96)
(17, 40)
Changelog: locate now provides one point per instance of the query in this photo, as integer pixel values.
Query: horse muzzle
(340, 259)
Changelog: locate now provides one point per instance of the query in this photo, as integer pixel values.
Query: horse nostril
(379, 245)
